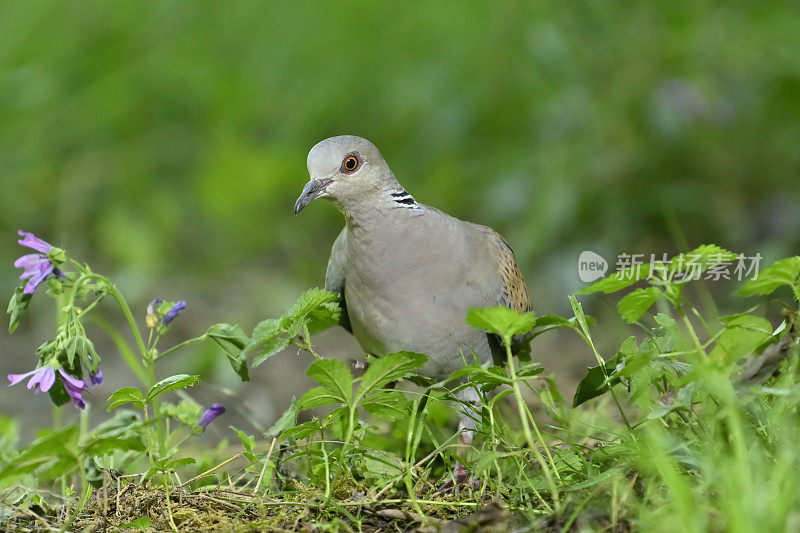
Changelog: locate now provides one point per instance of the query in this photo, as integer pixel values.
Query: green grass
(692, 425)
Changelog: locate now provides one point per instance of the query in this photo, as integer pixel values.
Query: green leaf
(621, 279)
(333, 375)
(580, 316)
(233, 341)
(490, 378)
(186, 412)
(310, 301)
(529, 369)
(742, 336)
(248, 441)
(183, 461)
(81, 347)
(268, 336)
(58, 394)
(387, 369)
(382, 466)
(126, 395)
(699, 260)
(389, 406)
(303, 430)
(635, 303)
(317, 309)
(287, 420)
(338, 421)
(594, 383)
(319, 397)
(143, 522)
(17, 307)
(178, 381)
(783, 272)
(501, 320)
(108, 445)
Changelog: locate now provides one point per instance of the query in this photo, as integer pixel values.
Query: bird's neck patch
(400, 198)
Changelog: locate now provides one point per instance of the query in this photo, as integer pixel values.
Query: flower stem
(179, 346)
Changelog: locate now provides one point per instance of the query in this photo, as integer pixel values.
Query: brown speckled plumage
(515, 293)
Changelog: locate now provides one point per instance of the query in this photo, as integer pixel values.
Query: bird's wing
(511, 291)
(334, 275)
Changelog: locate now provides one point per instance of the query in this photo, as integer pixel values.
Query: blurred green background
(165, 142)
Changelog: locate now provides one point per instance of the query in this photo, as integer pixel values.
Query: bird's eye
(350, 163)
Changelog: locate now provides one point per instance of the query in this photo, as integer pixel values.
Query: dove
(407, 273)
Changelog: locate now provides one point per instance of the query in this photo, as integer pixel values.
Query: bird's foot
(460, 476)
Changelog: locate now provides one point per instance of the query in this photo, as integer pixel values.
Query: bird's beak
(311, 192)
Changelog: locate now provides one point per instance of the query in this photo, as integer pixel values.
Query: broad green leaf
(17, 307)
(172, 383)
(302, 431)
(390, 406)
(58, 394)
(319, 397)
(490, 378)
(621, 279)
(316, 309)
(382, 466)
(186, 412)
(501, 320)
(287, 420)
(233, 341)
(311, 300)
(126, 395)
(783, 272)
(271, 346)
(635, 303)
(692, 264)
(108, 445)
(334, 375)
(594, 383)
(389, 368)
(183, 461)
(742, 335)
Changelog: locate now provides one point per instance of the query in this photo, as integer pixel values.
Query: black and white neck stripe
(401, 198)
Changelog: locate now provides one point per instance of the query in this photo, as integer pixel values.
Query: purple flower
(96, 379)
(36, 266)
(34, 243)
(74, 387)
(42, 379)
(210, 414)
(172, 313)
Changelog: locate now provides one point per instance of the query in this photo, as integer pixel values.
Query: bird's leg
(358, 364)
(460, 472)
(466, 432)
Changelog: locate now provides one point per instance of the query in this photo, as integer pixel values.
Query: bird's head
(345, 169)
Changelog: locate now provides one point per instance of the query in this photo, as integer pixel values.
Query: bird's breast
(403, 297)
